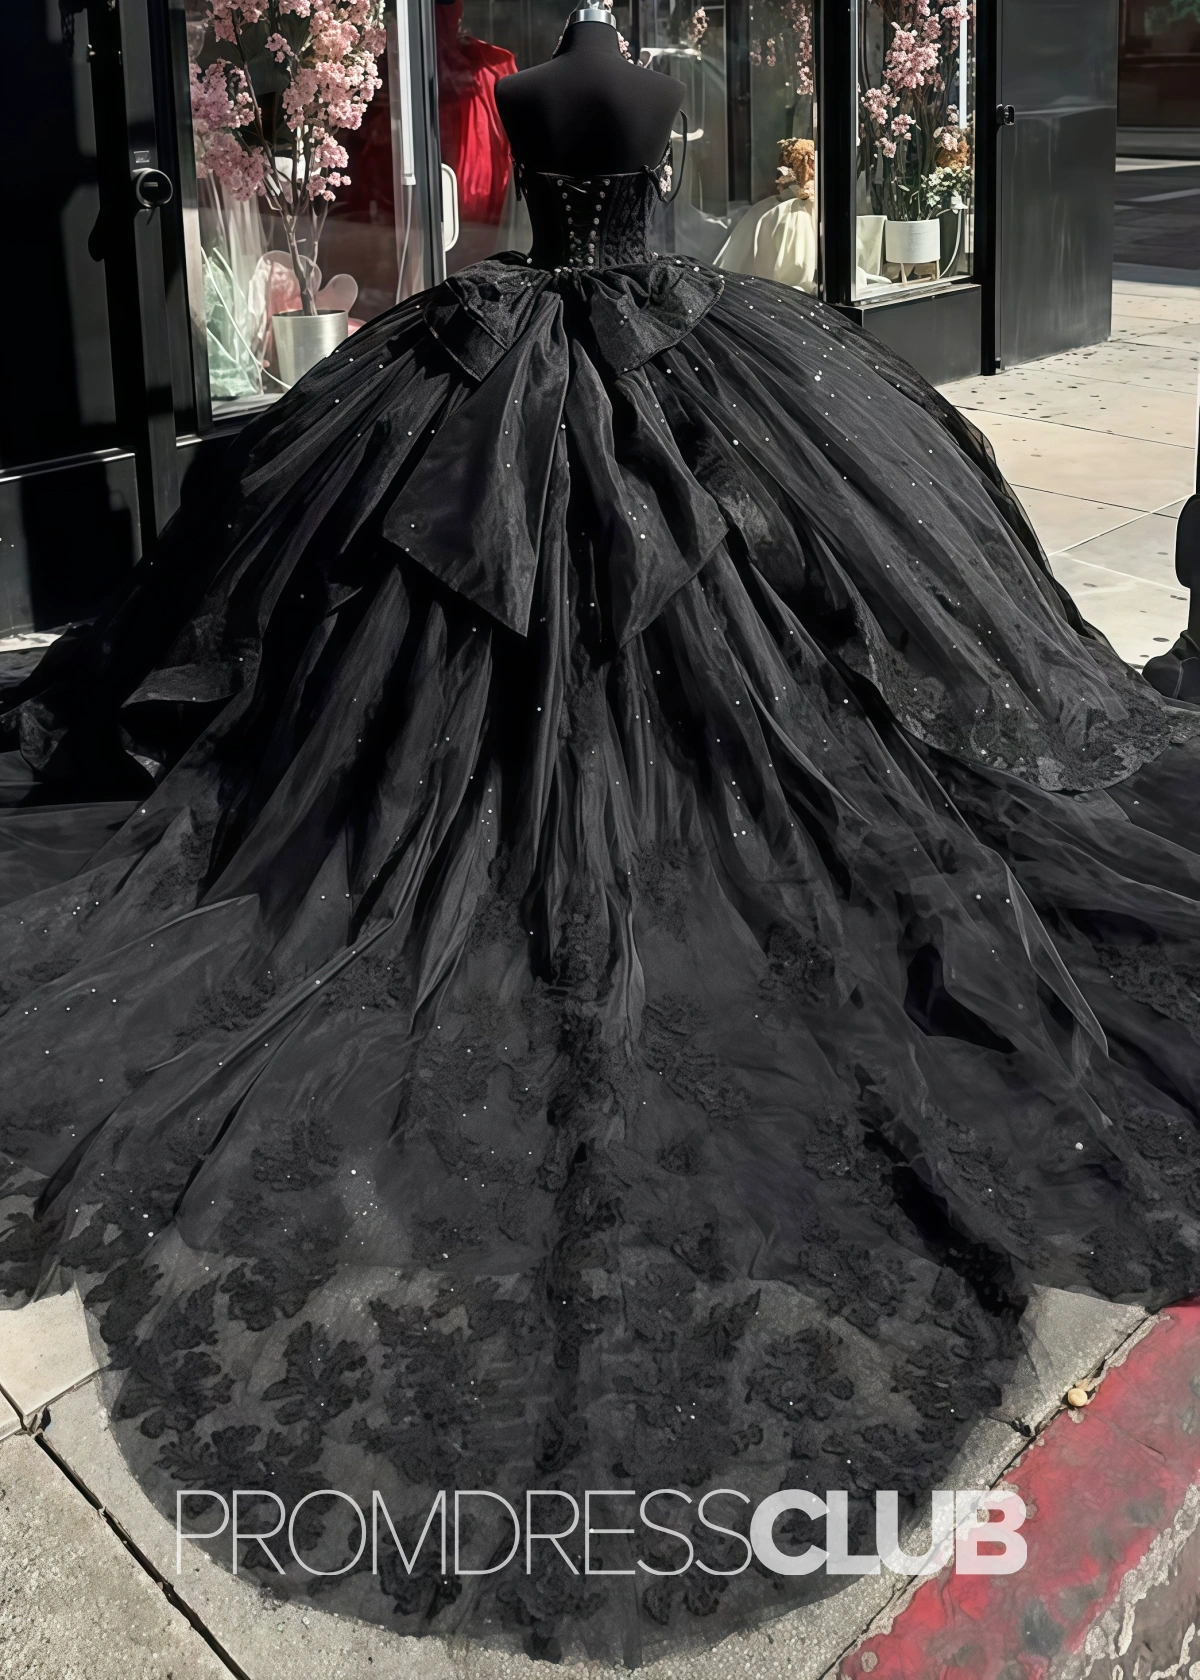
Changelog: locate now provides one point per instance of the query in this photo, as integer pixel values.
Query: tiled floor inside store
(1101, 444)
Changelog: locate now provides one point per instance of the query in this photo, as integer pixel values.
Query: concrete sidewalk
(89, 1588)
(1100, 444)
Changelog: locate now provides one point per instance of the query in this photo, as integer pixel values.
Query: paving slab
(1159, 366)
(1029, 391)
(1063, 521)
(1138, 618)
(1159, 303)
(1138, 330)
(1142, 549)
(265, 1636)
(1075, 399)
(1107, 406)
(74, 1603)
(1041, 455)
(44, 1350)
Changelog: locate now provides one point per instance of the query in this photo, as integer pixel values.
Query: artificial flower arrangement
(913, 130)
(950, 188)
(276, 81)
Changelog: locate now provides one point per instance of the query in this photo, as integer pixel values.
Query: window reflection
(747, 72)
(474, 146)
(773, 213)
(915, 187)
(265, 285)
(1160, 64)
(689, 43)
(305, 220)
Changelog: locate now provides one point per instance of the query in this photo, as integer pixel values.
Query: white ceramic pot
(913, 242)
(301, 341)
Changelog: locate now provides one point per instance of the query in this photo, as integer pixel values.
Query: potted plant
(273, 84)
(912, 124)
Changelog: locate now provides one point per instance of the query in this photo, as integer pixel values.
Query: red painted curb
(1099, 1487)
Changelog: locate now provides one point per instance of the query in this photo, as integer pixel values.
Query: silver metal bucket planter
(301, 341)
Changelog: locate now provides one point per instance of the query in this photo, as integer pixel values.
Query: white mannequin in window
(776, 239)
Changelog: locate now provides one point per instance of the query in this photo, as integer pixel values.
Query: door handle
(152, 188)
(1006, 116)
(450, 227)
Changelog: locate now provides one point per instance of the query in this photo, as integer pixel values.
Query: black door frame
(989, 129)
(425, 42)
(139, 246)
(140, 88)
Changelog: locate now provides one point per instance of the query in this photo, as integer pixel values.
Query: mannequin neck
(590, 39)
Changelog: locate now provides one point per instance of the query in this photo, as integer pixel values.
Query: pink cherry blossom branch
(908, 119)
(329, 58)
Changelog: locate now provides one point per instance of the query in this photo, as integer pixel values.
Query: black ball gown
(594, 918)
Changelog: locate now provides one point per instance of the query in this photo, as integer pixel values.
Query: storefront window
(306, 219)
(318, 189)
(1160, 64)
(479, 41)
(748, 74)
(916, 143)
(772, 207)
(689, 42)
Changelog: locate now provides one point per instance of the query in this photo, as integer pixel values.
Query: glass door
(303, 162)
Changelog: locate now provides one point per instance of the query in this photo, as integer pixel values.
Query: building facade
(940, 170)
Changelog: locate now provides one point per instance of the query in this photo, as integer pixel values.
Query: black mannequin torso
(588, 111)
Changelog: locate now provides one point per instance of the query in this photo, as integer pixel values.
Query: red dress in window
(473, 142)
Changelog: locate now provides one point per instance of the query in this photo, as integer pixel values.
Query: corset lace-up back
(595, 221)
